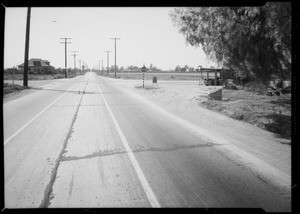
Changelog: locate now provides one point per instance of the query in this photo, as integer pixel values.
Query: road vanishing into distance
(86, 142)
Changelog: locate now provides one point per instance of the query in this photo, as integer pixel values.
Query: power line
(115, 54)
(107, 62)
(65, 42)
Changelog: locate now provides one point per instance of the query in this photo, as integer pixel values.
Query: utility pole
(99, 67)
(25, 79)
(102, 65)
(115, 55)
(80, 65)
(107, 62)
(75, 60)
(65, 42)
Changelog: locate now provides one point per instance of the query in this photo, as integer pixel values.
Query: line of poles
(27, 36)
(65, 42)
(107, 59)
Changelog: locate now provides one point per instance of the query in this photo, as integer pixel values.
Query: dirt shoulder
(271, 113)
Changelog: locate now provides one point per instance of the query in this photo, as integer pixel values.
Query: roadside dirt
(189, 99)
(271, 113)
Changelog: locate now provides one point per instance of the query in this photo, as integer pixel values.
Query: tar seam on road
(152, 149)
(34, 118)
(149, 193)
(49, 189)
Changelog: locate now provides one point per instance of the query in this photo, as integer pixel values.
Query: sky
(147, 36)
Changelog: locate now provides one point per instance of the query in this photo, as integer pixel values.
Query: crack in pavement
(49, 189)
(153, 149)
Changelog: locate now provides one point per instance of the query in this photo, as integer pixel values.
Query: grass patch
(281, 124)
(30, 77)
(38, 76)
(10, 88)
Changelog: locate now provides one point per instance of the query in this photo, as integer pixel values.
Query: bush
(259, 87)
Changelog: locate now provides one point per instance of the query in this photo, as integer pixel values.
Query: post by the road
(143, 70)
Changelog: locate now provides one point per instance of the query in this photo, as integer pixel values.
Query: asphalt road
(85, 142)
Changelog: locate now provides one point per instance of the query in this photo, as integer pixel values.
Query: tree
(178, 68)
(185, 68)
(253, 40)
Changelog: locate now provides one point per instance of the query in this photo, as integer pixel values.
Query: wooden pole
(25, 78)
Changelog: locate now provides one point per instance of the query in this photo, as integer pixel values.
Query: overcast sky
(147, 35)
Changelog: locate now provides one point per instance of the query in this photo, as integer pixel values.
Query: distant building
(38, 66)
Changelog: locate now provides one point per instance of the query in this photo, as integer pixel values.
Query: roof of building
(43, 62)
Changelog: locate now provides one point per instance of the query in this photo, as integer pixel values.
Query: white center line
(39, 114)
(151, 197)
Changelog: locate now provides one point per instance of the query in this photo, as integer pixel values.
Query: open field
(160, 76)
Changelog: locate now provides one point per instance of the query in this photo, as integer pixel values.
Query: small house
(38, 66)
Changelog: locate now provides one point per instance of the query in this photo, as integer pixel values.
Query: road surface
(85, 142)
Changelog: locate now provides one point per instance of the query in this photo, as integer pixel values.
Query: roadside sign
(143, 70)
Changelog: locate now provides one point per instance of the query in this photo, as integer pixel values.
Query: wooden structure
(215, 76)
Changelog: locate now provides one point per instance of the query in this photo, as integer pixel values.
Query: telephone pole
(102, 66)
(75, 60)
(115, 55)
(65, 42)
(80, 65)
(99, 68)
(107, 62)
(25, 79)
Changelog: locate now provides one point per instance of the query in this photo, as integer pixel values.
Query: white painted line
(151, 197)
(39, 114)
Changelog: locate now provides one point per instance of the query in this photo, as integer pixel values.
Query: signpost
(143, 70)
